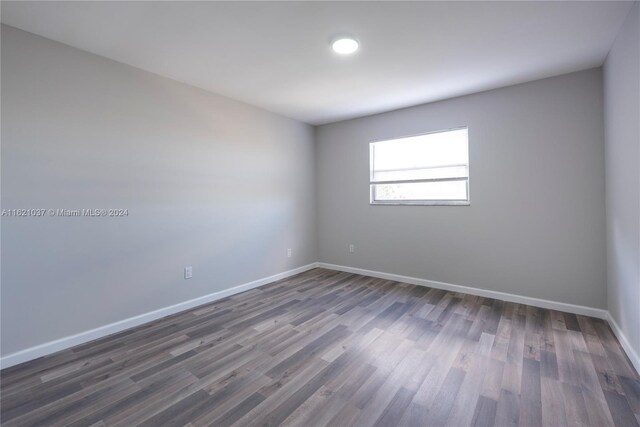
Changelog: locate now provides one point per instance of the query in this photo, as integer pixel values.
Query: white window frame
(372, 183)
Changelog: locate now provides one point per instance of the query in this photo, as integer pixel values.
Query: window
(429, 169)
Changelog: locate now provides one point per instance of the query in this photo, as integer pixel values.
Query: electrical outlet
(289, 253)
(188, 272)
(352, 248)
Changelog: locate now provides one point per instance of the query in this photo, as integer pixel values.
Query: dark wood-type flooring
(337, 349)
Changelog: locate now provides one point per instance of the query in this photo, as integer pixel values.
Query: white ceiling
(276, 55)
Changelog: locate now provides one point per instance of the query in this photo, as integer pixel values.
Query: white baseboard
(536, 302)
(112, 328)
(102, 331)
(631, 353)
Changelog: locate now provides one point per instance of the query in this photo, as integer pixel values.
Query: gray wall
(536, 224)
(622, 147)
(209, 182)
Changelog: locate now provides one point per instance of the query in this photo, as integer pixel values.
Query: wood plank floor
(337, 349)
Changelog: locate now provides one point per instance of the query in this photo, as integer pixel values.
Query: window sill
(423, 203)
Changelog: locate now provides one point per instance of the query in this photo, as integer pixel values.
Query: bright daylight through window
(429, 169)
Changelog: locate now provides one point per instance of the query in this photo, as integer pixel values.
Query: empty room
(320, 213)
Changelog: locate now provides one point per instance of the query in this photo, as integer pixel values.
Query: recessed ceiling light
(344, 44)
